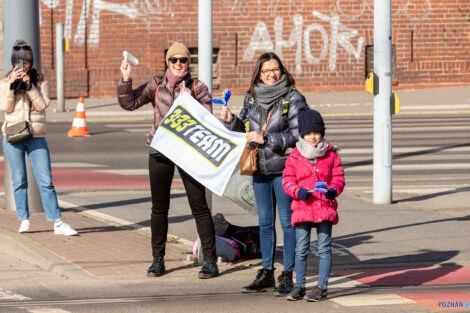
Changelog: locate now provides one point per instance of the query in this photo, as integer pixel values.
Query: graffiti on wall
(136, 8)
(338, 35)
(413, 9)
(242, 8)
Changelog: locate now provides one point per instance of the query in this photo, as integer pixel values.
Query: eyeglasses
(182, 60)
(18, 48)
(271, 71)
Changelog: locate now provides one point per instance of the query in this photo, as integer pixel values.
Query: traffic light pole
(382, 176)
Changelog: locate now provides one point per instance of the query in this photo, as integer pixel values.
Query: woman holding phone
(24, 98)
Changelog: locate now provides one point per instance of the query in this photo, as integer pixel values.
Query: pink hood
(300, 173)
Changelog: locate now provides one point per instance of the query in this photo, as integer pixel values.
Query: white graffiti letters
(324, 50)
(136, 8)
(295, 38)
(259, 41)
(340, 34)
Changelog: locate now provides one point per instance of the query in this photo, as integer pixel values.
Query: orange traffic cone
(79, 128)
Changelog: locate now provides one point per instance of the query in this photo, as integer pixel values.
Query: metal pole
(205, 43)
(21, 21)
(205, 68)
(382, 177)
(59, 52)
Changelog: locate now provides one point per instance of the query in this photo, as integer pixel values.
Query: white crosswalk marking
(132, 127)
(421, 167)
(137, 130)
(47, 310)
(430, 154)
(426, 148)
(9, 295)
(402, 150)
(369, 299)
(399, 129)
(75, 165)
(135, 172)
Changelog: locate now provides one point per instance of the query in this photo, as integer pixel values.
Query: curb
(117, 221)
(28, 250)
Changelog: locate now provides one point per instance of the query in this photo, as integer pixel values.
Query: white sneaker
(65, 229)
(24, 227)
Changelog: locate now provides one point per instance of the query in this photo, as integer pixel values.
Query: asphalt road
(427, 149)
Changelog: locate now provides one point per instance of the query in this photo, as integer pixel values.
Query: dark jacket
(281, 133)
(133, 99)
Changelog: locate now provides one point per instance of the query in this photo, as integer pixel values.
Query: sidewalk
(101, 249)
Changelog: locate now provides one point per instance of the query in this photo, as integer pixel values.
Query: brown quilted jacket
(132, 99)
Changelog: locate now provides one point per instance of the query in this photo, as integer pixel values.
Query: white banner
(199, 143)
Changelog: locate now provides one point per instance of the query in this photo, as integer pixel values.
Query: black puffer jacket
(281, 133)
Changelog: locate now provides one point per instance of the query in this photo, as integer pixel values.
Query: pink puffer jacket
(300, 173)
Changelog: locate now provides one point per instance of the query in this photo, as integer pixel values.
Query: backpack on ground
(247, 237)
(224, 247)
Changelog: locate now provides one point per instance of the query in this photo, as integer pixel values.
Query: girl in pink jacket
(313, 177)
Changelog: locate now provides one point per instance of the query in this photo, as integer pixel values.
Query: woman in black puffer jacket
(272, 88)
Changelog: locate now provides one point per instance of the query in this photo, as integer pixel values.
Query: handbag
(248, 160)
(19, 132)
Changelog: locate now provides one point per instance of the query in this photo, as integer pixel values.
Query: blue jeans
(302, 231)
(269, 192)
(38, 154)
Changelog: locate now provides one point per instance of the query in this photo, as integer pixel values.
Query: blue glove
(330, 194)
(303, 193)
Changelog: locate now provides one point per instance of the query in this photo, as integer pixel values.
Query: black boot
(285, 284)
(157, 268)
(264, 281)
(209, 270)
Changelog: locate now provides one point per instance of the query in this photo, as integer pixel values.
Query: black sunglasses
(18, 48)
(183, 60)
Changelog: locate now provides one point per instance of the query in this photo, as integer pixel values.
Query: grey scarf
(310, 152)
(266, 95)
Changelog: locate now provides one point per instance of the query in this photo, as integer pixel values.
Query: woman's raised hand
(16, 73)
(225, 114)
(125, 70)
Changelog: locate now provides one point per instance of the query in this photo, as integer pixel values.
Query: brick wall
(322, 42)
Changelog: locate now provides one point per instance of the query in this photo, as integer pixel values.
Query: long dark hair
(265, 57)
(35, 76)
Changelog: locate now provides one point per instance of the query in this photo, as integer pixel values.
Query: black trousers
(161, 171)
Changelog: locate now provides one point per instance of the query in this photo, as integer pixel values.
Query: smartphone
(20, 63)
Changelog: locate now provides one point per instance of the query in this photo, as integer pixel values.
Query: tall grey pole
(205, 43)
(205, 66)
(382, 177)
(59, 65)
(21, 21)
